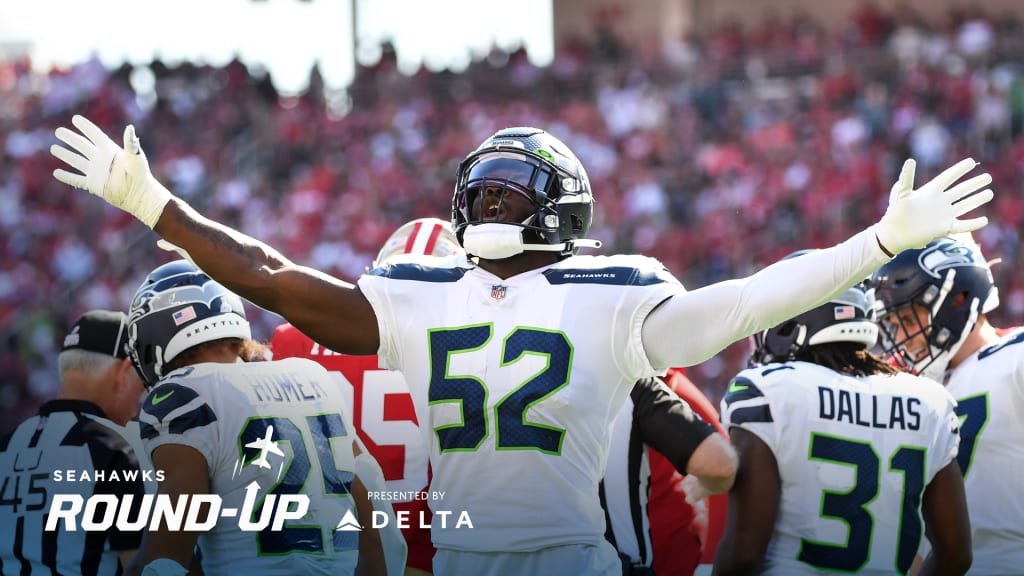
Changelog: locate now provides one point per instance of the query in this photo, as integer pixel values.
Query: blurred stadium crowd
(717, 155)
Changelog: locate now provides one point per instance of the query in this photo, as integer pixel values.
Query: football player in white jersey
(934, 304)
(382, 408)
(271, 439)
(518, 360)
(846, 463)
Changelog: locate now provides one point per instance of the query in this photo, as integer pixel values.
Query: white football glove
(119, 176)
(916, 217)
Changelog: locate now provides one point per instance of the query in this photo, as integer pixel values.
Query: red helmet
(427, 236)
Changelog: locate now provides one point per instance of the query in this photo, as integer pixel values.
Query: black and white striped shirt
(652, 417)
(37, 460)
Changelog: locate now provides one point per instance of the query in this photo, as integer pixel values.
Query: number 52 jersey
(516, 383)
(854, 456)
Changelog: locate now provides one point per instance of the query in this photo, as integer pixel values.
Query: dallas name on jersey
(516, 382)
(854, 456)
(281, 425)
(989, 388)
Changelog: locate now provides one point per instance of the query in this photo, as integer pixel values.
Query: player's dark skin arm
(185, 472)
(753, 507)
(332, 312)
(947, 524)
(371, 549)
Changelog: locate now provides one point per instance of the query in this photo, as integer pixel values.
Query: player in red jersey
(683, 535)
(382, 408)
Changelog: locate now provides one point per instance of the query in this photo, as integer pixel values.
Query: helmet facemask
(929, 301)
(515, 161)
(917, 336)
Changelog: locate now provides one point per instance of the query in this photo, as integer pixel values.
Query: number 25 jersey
(265, 428)
(854, 456)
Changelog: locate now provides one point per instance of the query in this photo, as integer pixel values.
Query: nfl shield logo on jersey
(498, 291)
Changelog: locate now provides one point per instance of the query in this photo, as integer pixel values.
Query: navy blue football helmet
(535, 164)
(848, 317)
(176, 308)
(950, 280)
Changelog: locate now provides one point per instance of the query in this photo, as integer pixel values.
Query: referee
(64, 448)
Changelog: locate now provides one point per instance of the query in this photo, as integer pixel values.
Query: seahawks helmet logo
(946, 254)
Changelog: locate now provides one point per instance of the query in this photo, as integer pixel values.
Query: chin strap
(497, 240)
(567, 246)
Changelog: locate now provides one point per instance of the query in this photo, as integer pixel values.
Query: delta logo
(381, 519)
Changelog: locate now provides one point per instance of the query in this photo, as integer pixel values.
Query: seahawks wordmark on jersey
(854, 457)
(265, 429)
(989, 389)
(516, 383)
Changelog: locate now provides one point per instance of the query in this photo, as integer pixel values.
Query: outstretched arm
(689, 328)
(330, 311)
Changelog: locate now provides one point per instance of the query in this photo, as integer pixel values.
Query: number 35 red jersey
(384, 418)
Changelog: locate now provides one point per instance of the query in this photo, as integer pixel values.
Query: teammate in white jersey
(934, 303)
(519, 360)
(271, 439)
(845, 462)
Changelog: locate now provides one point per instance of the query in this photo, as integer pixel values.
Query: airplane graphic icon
(265, 445)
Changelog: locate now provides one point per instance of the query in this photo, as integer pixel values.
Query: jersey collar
(70, 405)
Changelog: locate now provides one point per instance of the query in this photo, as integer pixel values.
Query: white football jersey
(854, 457)
(989, 388)
(264, 428)
(516, 383)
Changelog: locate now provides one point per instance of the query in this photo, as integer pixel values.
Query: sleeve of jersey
(666, 423)
(375, 288)
(694, 326)
(176, 414)
(746, 406)
(650, 285)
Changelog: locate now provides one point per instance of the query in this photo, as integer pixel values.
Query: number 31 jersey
(264, 428)
(516, 383)
(854, 456)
